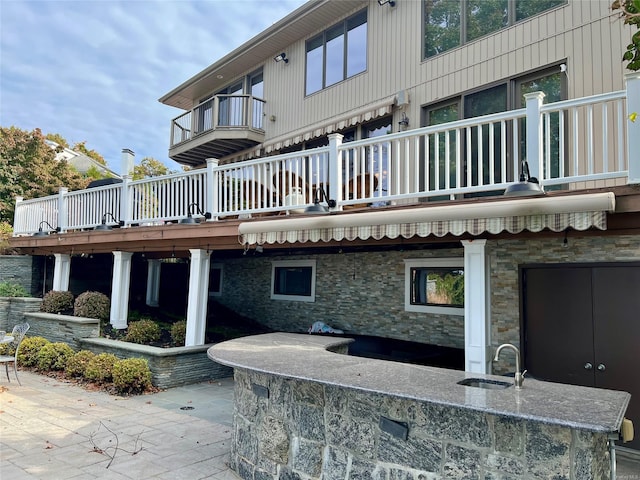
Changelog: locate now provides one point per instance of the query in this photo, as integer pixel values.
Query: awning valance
(579, 212)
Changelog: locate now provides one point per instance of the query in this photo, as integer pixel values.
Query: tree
(28, 168)
(82, 148)
(630, 11)
(59, 139)
(150, 167)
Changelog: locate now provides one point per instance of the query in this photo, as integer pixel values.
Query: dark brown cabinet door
(581, 325)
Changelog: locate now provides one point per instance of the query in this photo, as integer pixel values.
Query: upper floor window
(337, 53)
(451, 23)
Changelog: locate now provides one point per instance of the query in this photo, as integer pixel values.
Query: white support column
(477, 326)
(633, 128)
(61, 271)
(153, 282)
(120, 289)
(198, 297)
(534, 134)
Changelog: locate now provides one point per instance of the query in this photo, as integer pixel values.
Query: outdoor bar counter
(304, 409)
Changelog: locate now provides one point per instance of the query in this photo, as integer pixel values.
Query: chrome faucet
(519, 376)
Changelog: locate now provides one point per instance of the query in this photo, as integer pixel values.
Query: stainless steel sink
(484, 383)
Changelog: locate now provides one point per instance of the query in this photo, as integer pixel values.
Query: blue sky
(93, 70)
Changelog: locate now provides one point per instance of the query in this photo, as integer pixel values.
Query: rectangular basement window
(293, 280)
(434, 285)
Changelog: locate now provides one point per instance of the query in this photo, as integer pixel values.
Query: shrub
(77, 364)
(57, 301)
(29, 349)
(131, 375)
(8, 289)
(100, 367)
(92, 305)
(143, 331)
(179, 333)
(54, 356)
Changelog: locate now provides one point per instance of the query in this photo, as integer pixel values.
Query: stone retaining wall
(62, 328)
(170, 367)
(288, 429)
(13, 310)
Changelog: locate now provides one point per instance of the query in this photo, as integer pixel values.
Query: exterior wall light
(281, 58)
(526, 186)
(103, 227)
(189, 220)
(42, 233)
(391, 3)
(404, 121)
(316, 208)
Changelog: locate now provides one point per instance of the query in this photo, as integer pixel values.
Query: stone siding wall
(289, 429)
(62, 328)
(170, 367)
(14, 310)
(23, 270)
(360, 293)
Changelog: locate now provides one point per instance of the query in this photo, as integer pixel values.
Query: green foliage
(28, 168)
(143, 331)
(54, 356)
(100, 367)
(92, 305)
(57, 301)
(450, 287)
(5, 234)
(8, 289)
(131, 375)
(178, 333)
(82, 148)
(29, 349)
(630, 11)
(150, 167)
(59, 139)
(77, 364)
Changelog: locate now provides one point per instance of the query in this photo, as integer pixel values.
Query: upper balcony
(572, 145)
(219, 126)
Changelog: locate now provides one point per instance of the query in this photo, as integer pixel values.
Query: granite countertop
(308, 357)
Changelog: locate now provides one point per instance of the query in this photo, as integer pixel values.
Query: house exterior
(413, 117)
(81, 162)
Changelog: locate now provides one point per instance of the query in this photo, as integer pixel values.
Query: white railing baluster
(590, 139)
(605, 139)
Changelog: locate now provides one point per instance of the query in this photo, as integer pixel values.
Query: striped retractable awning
(579, 212)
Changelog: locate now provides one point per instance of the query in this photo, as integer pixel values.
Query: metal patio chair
(18, 334)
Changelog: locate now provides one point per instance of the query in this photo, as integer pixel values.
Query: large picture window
(451, 23)
(294, 280)
(435, 285)
(337, 53)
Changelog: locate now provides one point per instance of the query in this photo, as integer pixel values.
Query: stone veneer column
(477, 332)
(198, 297)
(153, 283)
(61, 271)
(120, 289)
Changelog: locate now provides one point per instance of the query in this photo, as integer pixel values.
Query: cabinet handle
(601, 367)
(588, 366)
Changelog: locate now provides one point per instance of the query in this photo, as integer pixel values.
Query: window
(451, 23)
(507, 95)
(435, 286)
(337, 53)
(215, 280)
(294, 280)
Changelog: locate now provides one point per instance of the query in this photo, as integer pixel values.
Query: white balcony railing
(572, 144)
(218, 112)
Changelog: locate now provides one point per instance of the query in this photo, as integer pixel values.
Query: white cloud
(93, 70)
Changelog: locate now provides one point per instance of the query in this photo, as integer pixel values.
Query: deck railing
(571, 144)
(218, 112)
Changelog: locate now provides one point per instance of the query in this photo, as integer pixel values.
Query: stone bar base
(289, 429)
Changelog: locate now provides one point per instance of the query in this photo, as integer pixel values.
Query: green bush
(8, 289)
(54, 356)
(92, 305)
(29, 349)
(143, 331)
(57, 301)
(178, 333)
(131, 375)
(100, 367)
(77, 364)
